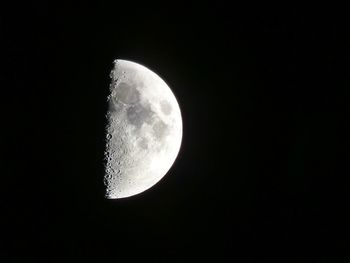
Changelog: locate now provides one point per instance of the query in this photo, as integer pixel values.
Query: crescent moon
(144, 130)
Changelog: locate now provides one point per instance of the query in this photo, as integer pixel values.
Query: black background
(262, 171)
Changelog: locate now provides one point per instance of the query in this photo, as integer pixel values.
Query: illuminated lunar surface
(144, 130)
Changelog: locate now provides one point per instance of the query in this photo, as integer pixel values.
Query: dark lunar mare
(138, 114)
(126, 93)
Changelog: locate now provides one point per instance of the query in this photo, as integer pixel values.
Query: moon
(143, 132)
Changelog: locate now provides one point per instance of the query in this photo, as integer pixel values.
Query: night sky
(262, 173)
